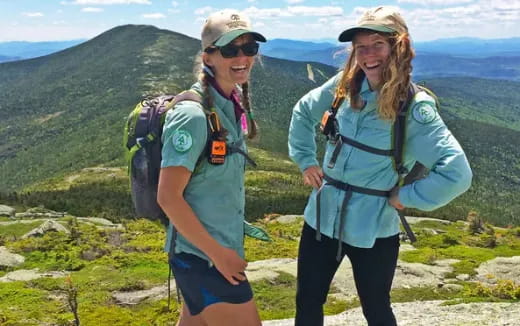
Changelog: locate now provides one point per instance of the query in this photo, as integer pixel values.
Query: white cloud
(92, 9)
(292, 11)
(203, 11)
(109, 2)
(154, 16)
(436, 2)
(484, 19)
(292, 2)
(315, 11)
(251, 1)
(175, 4)
(174, 11)
(254, 12)
(32, 14)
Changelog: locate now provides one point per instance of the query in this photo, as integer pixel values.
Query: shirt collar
(369, 96)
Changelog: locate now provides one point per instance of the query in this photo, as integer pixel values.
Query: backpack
(329, 127)
(142, 143)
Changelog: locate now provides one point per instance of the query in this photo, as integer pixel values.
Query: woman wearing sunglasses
(352, 210)
(204, 197)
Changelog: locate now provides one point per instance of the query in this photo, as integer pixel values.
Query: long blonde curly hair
(396, 77)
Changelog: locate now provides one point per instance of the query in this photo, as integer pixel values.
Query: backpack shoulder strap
(399, 132)
(188, 95)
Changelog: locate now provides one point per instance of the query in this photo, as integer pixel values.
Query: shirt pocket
(376, 133)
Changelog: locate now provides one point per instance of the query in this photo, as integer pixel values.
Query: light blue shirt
(367, 217)
(214, 192)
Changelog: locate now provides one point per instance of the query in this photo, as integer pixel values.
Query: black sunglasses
(231, 50)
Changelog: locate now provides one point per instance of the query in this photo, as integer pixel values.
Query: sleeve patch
(424, 113)
(182, 141)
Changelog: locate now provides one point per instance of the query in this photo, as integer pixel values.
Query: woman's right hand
(230, 265)
(313, 176)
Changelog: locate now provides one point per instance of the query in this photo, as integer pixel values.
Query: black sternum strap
(345, 140)
(366, 148)
(236, 148)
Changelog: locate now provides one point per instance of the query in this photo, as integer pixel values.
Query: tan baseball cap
(379, 19)
(224, 26)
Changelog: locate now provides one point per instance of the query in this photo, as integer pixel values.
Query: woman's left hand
(394, 198)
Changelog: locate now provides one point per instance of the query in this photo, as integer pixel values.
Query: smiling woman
(201, 184)
(353, 210)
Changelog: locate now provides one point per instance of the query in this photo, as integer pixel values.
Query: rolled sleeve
(433, 145)
(186, 119)
(306, 115)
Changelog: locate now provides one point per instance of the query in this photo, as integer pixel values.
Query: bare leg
(186, 319)
(226, 314)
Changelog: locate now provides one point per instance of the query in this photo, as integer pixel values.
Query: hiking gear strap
(329, 125)
(399, 134)
(406, 226)
(349, 189)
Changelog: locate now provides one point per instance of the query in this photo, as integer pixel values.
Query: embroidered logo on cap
(236, 22)
(182, 141)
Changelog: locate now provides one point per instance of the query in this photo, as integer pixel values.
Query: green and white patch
(424, 113)
(182, 141)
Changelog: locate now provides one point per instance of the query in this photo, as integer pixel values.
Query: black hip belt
(346, 187)
(349, 189)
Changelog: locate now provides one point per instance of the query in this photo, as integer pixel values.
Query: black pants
(373, 271)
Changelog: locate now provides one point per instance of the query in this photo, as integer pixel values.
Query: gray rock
(500, 268)
(463, 277)
(28, 275)
(46, 226)
(270, 268)
(136, 297)
(428, 313)
(40, 215)
(7, 211)
(450, 288)
(288, 219)
(8, 259)
(413, 220)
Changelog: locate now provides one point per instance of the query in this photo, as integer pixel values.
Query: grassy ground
(100, 262)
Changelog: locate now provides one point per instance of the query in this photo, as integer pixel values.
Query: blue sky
(50, 20)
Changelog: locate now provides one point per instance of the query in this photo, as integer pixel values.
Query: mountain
(27, 50)
(65, 112)
(4, 58)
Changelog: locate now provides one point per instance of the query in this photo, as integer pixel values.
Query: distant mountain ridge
(25, 50)
(494, 59)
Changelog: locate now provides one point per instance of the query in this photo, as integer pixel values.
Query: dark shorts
(202, 285)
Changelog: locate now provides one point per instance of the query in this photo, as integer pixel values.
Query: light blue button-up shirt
(368, 217)
(215, 192)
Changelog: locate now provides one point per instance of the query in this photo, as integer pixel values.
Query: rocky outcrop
(7, 211)
(500, 268)
(429, 313)
(8, 259)
(46, 226)
(28, 275)
(136, 297)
